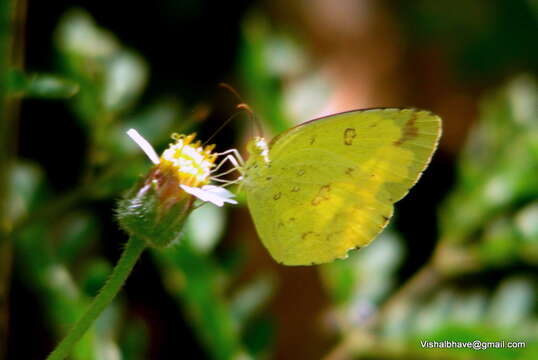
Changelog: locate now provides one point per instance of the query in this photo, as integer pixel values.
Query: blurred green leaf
(483, 40)
(451, 315)
(79, 35)
(513, 303)
(28, 188)
(47, 86)
(74, 233)
(125, 79)
(205, 227)
(111, 77)
(258, 75)
(367, 273)
(156, 122)
(106, 326)
(119, 177)
(527, 222)
(59, 295)
(251, 297)
(495, 173)
(135, 339)
(500, 242)
(259, 336)
(94, 275)
(306, 97)
(196, 281)
(469, 308)
(434, 314)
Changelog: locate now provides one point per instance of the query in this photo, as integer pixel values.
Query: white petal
(198, 192)
(210, 196)
(220, 191)
(144, 145)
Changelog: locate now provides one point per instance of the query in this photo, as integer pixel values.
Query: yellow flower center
(190, 162)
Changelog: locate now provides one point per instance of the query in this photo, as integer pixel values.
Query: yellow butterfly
(327, 186)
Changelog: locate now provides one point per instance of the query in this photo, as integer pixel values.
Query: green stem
(8, 31)
(134, 248)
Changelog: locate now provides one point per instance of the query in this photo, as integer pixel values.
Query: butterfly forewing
(332, 182)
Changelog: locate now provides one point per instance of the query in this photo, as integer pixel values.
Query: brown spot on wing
(309, 235)
(332, 235)
(349, 135)
(323, 194)
(409, 130)
(385, 220)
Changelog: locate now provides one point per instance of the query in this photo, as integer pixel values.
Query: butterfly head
(258, 147)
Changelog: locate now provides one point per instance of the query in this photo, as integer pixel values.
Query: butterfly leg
(222, 162)
(232, 156)
(234, 153)
(227, 182)
(235, 167)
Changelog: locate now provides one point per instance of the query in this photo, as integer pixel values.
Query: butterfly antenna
(244, 106)
(252, 116)
(221, 127)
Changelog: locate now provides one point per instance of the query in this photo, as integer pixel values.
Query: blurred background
(458, 262)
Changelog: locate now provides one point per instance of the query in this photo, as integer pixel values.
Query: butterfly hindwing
(331, 183)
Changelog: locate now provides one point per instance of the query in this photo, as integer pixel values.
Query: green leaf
(135, 339)
(205, 227)
(27, 189)
(512, 304)
(500, 242)
(195, 280)
(95, 273)
(125, 78)
(498, 166)
(250, 298)
(527, 222)
(39, 85)
(261, 83)
(111, 77)
(366, 275)
(75, 232)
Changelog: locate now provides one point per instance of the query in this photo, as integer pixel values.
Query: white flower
(191, 164)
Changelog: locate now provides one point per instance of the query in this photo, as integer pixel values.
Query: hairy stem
(134, 248)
